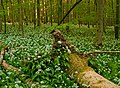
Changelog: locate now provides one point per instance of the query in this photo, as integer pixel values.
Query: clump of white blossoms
(59, 42)
(68, 49)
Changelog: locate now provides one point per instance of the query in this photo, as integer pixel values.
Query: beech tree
(51, 8)
(117, 27)
(38, 12)
(88, 13)
(34, 13)
(12, 12)
(3, 8)
(99, 18)
(20, 13)
(59, 10)
(0, 17)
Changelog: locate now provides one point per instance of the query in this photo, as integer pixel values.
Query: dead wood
(108, 52)
(77, 2)
(17, 71)
(79, 69)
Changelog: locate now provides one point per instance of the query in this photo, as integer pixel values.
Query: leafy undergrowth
(36, 46)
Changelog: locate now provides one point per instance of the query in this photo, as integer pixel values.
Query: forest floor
(36, 45)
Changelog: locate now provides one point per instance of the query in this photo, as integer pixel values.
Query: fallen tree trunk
(79, 69)
(16, 70)
(109, 52)
(85, 75)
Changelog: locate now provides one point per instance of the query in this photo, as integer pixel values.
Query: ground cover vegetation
(35, 47)
(26, 42)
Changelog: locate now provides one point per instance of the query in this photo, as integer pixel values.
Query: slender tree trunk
(34, 13)
(99, 18)
(2, 4)
(38, 12)
(59, 10)
(0, 17)
(22, 16)
(43, 12)
(88, 13)
(63, 9)
(51, 12)
(20, 20)
(67, 9)
(113, 21)
(70, 11)
(46, 13)
(79, 15)
(30, 12)
(12, 12)
(26, 11)
(117, 25)
(104, 18)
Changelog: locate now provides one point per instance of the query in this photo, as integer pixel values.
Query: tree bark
(20, 20)
(34, 13)
(46, 12)
(2, 4)
(12, 12)
(38, 12)
(117, 27)
(85, 75)
(88, 13)
(59, 10)
(70, 11)
(79, 70)
(99, 33)
(0, 18)
(51, 12)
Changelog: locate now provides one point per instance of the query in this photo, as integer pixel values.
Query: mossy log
(79, 70)
(85, 75)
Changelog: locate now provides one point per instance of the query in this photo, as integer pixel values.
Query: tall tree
(20, 12)
(46, 12)
(38, 12)
(117, 25)
(112, 3)
(2, 4)
(34, 13)
(43, 8)
(59, 10)
(88, 13)
(51, 12)
(99, 33)
(12, 11)
(104, 17)
(67, 9)
(0, 17)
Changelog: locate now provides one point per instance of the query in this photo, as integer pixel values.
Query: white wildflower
(69, 51)
(42, 82)
(39, 56)
(16, 85)
(7, 77)
(59, 42)
(76, 72)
